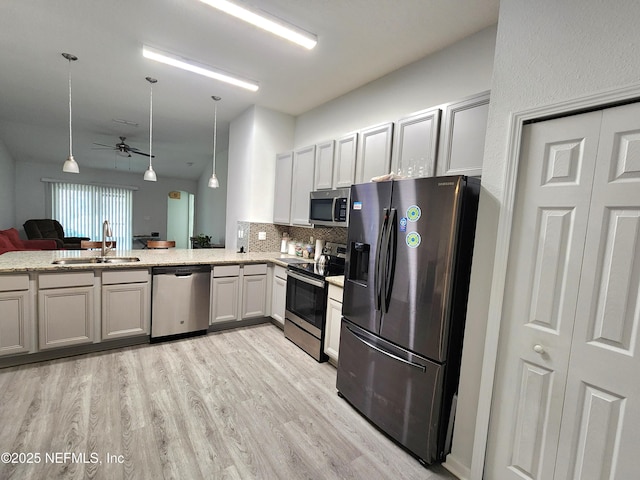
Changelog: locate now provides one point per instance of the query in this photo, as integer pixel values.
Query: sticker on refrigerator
(414, 213)
(403, 224)
(357, 205)
(413, 239)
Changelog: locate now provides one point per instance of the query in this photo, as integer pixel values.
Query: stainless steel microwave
(329, 208)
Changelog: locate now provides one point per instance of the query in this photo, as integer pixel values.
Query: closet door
(599, 436)
(545, 258)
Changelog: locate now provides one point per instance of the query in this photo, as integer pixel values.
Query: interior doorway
(180, 214)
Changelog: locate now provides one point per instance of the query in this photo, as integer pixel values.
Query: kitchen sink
(90, 260)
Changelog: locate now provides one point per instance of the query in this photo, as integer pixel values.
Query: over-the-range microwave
(329, 208)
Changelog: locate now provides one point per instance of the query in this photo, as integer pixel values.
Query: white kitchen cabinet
(415, 145)
(463, 133)
(333, 321)
(278, 294)
(282, 194)
(126, 303)
(15, 314)
(374, 152)
(302, 184)
(254, 291)
(66, 309)
(324, 166)
(225, 294)
(344, 163)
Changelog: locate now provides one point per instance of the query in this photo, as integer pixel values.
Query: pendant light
(213, 181)
(70, 165)
(150, 175)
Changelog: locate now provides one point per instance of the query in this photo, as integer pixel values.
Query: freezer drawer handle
(388, 354)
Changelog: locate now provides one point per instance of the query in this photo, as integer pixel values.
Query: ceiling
(358, 41)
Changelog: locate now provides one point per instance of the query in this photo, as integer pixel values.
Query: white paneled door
(567, 393)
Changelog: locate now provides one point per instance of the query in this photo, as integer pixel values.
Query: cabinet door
(65, 316)
(225, 295)
(324, 166)
(463, 133)
(332, 334)
(282, 194)
(374, 152)
(254, 296)
(278, 299)
(125, 310)
(344, 163)
(14, 322)
(303, 163)
(415, 145)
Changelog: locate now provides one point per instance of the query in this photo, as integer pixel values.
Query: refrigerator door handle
(378, 278)
(386, 353)
(390, 262)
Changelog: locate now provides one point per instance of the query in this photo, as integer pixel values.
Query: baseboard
(457, 468)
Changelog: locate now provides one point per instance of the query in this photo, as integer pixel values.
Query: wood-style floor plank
(236, 404)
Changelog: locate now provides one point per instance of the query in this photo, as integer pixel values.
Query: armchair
(51, 229)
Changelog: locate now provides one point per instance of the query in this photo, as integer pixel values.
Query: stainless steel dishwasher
(180, 300)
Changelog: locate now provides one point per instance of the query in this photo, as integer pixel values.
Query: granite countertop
(338, 281)
(41, 261)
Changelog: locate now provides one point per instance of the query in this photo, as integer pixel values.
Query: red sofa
(10, 241)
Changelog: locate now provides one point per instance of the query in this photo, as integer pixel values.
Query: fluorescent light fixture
(266, 22)
(191, 66)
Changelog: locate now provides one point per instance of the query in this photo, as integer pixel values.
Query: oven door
(307, 300)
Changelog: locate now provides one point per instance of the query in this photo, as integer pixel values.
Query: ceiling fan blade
(142, 153)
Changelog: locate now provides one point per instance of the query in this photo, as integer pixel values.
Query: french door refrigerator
(405, 298)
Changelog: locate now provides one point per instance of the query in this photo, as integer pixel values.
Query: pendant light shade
(150, 174)
(70, 164)
(213, 180)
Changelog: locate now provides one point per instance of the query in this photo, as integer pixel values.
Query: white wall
(255, 137)
(211, 204)
(458, 71)
(547, 52)
(149, 201)
(7, 189)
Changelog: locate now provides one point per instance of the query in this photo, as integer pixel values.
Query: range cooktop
(319, 270)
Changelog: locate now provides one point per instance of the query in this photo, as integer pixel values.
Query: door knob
(538, 349)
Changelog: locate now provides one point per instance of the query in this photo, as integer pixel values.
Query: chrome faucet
(106, 232)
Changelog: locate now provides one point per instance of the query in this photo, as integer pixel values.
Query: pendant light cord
(150, 124)
(70, 112)
(215, 126)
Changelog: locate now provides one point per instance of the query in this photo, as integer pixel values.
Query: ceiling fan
(123, 149)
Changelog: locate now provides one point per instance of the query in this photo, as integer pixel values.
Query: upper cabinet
(282, 196)
(463, 133)
(415, 145)
(374, 152)
(302, 184)
(344, 168)
(324, 166)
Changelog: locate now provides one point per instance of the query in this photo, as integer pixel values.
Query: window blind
(81, 209)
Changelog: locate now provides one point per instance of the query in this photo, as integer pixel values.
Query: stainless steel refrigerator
(407, 271)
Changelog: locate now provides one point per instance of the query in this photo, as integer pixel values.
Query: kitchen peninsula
(52, 310)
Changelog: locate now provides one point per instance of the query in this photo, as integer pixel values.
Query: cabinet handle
(538, 349)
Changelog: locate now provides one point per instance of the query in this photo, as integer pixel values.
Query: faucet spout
(106, 232)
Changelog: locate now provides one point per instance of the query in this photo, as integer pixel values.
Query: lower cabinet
(238, 292)
(15, 314)
(333, 320)
(66, 309)
(279, 294)
(126, 303)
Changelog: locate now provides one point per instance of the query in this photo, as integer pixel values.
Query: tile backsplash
(273, 235)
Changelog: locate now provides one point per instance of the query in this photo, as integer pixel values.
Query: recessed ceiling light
(128, 123)
(192, 66)
(266, 22)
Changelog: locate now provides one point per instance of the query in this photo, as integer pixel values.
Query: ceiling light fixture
(150, 175)
(266, 22)
(191, 66)
(213, 181)
(70, 164)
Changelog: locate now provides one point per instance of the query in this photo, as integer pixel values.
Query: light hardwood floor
(237, 404)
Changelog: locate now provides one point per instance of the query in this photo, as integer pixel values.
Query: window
(81, 209)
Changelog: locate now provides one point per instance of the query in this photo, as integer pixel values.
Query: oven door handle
(302, 278)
